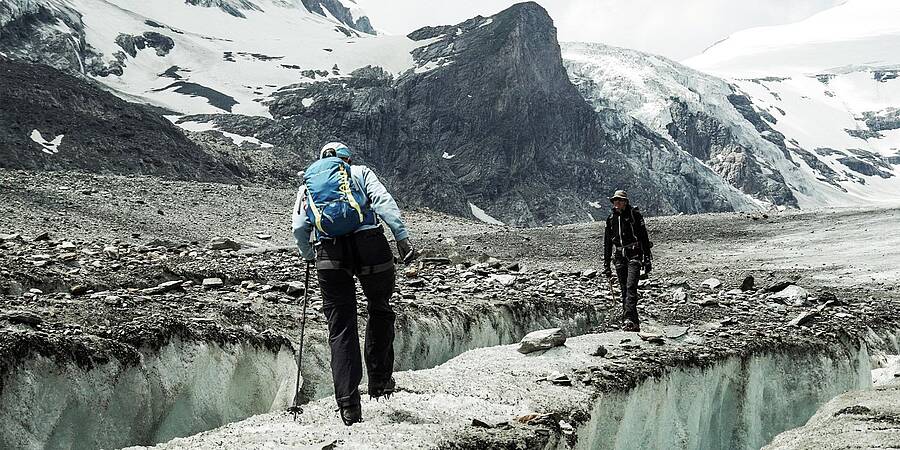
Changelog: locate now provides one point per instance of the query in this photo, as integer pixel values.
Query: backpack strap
(316, 213)
(348, 191)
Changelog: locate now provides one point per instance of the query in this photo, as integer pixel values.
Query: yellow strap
(315, 211)
(345, 189)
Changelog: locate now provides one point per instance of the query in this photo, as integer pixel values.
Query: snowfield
(857, 33)
(221, 55)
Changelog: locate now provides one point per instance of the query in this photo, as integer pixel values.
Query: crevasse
(187, 387)
(738, 403)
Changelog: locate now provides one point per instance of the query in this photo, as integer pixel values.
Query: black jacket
(626, 231)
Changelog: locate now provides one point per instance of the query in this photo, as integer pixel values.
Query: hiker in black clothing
(358, 249)
(627, 235)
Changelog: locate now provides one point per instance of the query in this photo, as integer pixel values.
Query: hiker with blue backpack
(341, 208)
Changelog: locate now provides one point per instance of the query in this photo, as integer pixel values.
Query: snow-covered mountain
(830, 85)
(696, 112)
(457, 106)
(478, 118)
(199, 56)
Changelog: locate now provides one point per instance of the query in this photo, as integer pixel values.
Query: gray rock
(675, 331)
(416, 283)
(560, 379)
(793, 294)
(162, 288)
(220, 243)
(654, 338)
(213, 283)
(542, 340)
(679, 295)
(711, 284)
(803, 318)
(778, 285)
(706, 301)
(601, 351)
(295, 289)
(29, 318)
(748, 283)
(504, 280)
(78, 289)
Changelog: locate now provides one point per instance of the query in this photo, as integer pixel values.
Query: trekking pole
(296, 408)
(612, 292)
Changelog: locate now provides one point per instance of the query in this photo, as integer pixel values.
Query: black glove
(648, 266)
(407, 252)
(607, 271)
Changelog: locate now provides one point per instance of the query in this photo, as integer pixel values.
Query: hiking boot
(631, 326)
(351, 414)
(381, 389)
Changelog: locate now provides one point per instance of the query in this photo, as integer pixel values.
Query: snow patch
(486, 22)
(237, 139)
(48, 147)
(448, 156)
(432, 65)
(307, 102)
(483, 216)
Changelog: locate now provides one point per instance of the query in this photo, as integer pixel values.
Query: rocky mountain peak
(346, 11)
(488, 123)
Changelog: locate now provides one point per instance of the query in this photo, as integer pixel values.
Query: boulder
(162, 288)
(220, 243)
(679, 295)
(295, 289)
(803, 318)
(212, 283)
(542, 340)
(654, 338)
(29, 318)
(793, 294)
(706, 301)
(779, 285)
(505, 280)
(711, 284)
(748, 284)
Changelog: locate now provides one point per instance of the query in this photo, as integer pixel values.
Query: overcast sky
(678, 29)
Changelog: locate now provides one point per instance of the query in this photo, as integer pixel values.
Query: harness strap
(327, 264)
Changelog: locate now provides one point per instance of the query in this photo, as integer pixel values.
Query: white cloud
(674, 28)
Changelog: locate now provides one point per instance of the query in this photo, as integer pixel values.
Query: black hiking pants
(628, 270)
(367, 256)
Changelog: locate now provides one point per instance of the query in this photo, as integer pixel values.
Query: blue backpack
(336, 205)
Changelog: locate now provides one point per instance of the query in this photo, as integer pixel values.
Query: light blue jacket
(380, 200)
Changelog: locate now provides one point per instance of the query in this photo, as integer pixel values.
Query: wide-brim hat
(619, 195)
